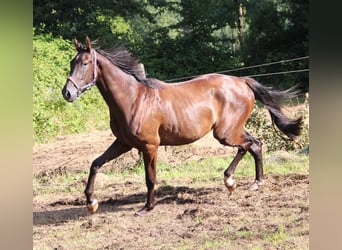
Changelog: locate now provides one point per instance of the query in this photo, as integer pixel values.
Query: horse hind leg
(253, 146)
(256, 151)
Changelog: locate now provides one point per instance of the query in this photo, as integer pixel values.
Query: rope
(282, 72)
(250, 67)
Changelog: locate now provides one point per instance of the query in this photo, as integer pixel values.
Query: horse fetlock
(230, 183)
(149, 206)
(92, 207)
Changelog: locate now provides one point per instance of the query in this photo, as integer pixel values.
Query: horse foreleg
(228, 174)
(150, 162)
(115, 150)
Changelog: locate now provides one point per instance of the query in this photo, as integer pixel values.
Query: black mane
(124, 60)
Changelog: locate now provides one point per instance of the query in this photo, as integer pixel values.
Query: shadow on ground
(74, 210)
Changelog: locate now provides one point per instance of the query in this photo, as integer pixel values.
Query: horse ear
(77, 44)
(88, 42)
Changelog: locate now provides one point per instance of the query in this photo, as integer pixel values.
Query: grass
(212, 168)
(206, 244)
(64, 182)
(203, 171)
(278, 237)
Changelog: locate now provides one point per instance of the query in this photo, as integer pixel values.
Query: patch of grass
(282, 162)
(212, 168)
(185, 245)
(214, 244)
(203, 171)
(257, 248)
(196, 171)
(244, 233)
(278, 237)
(61, 183)
(205, 244)
(225, 231)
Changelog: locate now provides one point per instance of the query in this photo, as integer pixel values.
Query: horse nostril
(66, 94)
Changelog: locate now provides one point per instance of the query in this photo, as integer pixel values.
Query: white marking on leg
(93, 206)
(230, 183)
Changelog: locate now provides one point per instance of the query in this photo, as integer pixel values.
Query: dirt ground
(188, 215)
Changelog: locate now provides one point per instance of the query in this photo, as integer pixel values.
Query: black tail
(268, 96)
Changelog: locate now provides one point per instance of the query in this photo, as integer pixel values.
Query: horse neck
(118, 89)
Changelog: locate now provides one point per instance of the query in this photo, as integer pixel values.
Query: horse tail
(269, 96)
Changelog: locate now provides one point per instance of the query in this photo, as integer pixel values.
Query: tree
(278, 30)
(179, 38)
(106, 19)
(197, 40)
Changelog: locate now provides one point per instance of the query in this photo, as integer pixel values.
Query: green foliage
(260, 126)
(100, 19)
(182, 38)
(52, 115)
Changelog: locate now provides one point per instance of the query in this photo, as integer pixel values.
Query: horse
(146, 113)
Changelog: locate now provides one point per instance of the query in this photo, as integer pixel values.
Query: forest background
(174, 39)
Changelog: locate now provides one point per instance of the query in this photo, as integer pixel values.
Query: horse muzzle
(69, 92)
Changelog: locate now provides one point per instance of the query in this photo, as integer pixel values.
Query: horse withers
(146, 113)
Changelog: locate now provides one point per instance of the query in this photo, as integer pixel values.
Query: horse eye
(85, 63)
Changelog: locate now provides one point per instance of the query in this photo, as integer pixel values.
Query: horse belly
(186, 128)
(175, 139)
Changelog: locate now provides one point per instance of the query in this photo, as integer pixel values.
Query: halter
(87, 86)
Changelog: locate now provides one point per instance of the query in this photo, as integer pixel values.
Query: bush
(52, 115)
(260, 126)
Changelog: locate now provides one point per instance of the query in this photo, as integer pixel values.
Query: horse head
(83, 71)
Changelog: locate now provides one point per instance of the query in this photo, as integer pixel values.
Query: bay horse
(146, 113)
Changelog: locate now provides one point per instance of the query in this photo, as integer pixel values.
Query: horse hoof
(230, 183)
(255, 185)
(92, 207)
